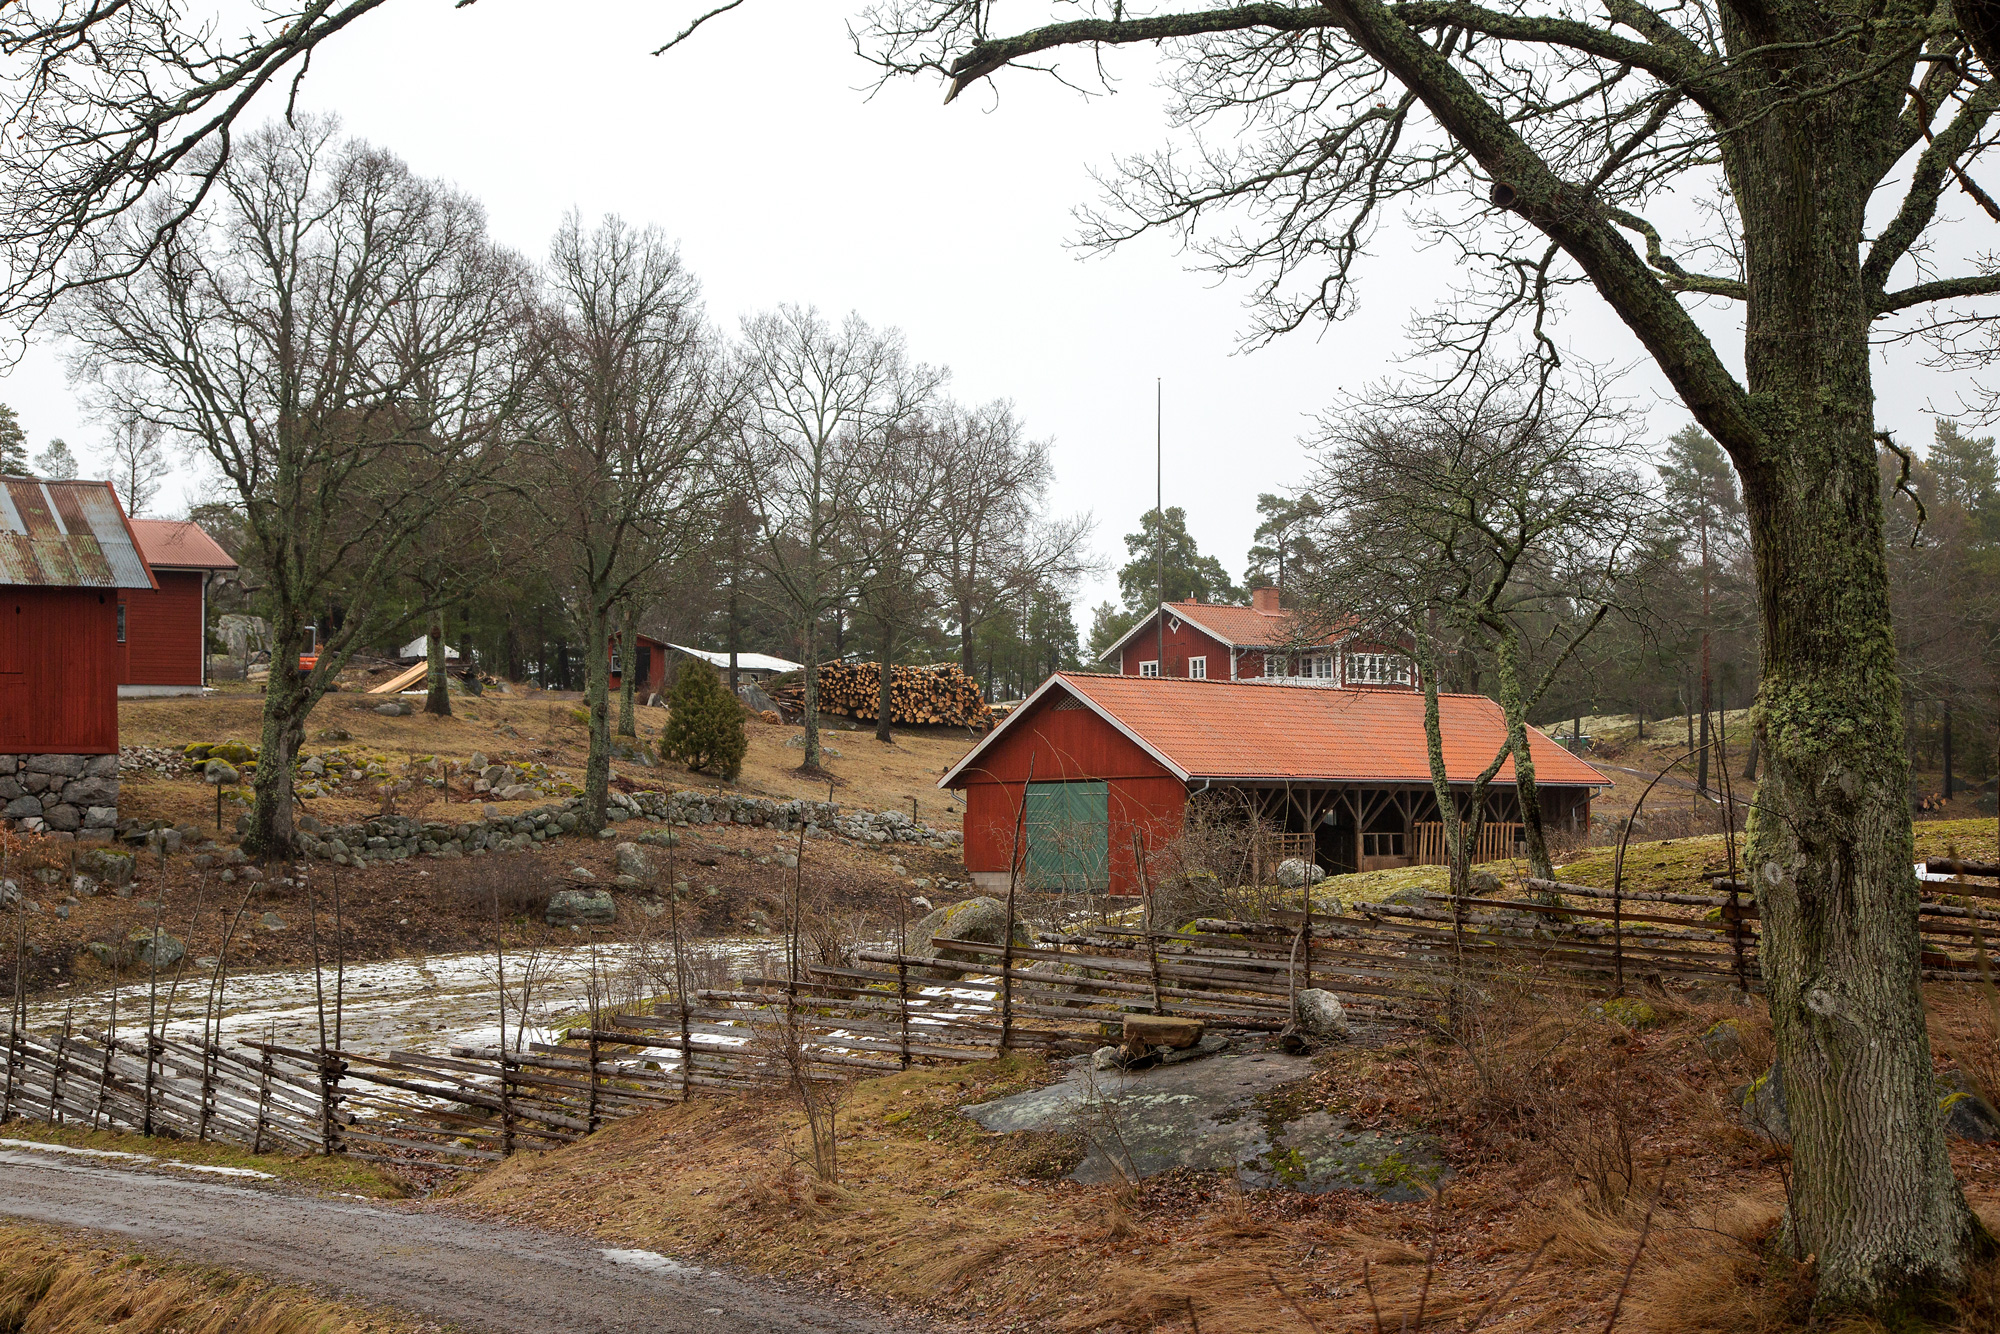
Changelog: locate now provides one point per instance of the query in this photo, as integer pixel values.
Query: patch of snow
(141, 1158)
(653, 1263)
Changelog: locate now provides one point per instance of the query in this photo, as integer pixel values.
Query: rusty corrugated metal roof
(177, 544)
(1239, 732)
(59, 534)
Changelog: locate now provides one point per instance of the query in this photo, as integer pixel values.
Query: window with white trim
(1198, 668)
(1151, 668)
(1318, 665)
(1378, 669)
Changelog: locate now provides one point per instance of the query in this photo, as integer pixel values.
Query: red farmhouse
(1261, 642)
(66, 552)
(1344, 774)
(165, 644)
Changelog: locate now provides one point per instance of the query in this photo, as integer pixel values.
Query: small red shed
(1211, 641)
(165, 643)
(66, 552)
(1343, 775)
(649, 667)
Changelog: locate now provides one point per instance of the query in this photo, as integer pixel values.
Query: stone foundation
(74, 795)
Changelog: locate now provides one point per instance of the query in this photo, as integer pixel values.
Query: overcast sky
(759, 147)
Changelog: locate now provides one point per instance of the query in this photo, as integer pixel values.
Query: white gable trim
(1081, 698)
(1178, 609)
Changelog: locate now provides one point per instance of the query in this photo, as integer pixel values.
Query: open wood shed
(1342, 777)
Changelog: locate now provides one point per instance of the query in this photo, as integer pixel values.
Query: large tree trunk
(597, 695)
(966, 663)
(287, 701)
(1507, 667)
(884, 683)
(1829, 843)
(628, 666)
(438, 698)
(809, 701)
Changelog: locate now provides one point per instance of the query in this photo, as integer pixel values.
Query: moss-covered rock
(1632, 1012)
(983, 920)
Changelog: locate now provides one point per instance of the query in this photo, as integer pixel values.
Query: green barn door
(1069, 836)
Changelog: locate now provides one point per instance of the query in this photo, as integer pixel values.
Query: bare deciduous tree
(138, 462)
(1505, 517)
(1533, 141)
(993, 542)
(825, 407)
(327, 337)
(631, 401)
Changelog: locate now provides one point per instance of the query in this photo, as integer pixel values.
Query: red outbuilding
(1211, 641)
(649, 667)
(1339, 777)
(66, 554)
(164, 649)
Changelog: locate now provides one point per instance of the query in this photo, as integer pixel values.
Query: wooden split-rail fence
(888, 1008)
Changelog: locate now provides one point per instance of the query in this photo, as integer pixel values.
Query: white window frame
(1377, 669)
(1150, 667)
(1198, 667)
(1318, 666)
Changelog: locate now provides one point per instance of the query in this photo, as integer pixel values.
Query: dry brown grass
(871, 774)
(53, 1283)
(1565, 1129)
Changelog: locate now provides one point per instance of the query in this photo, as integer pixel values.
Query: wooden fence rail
(885, 1009)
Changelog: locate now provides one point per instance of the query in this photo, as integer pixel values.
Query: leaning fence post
(61, 1066)
(591, 1118)
(903, 974)
(14, 1006)
(331, 1068)
(1146, 887)
(506, 1107)
(263, 1100)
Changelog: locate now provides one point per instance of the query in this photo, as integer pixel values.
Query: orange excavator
(310, 658)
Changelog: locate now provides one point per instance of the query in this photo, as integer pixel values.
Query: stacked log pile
(937, 694)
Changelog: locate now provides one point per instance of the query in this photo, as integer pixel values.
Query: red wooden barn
(1212, 641)
(1340, 777)
(165, 641)
(66, 553)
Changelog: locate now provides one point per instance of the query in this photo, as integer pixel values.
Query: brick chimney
(1265, 600)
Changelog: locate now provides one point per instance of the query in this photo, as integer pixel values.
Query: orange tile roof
(1237, 627)
(1236, 731)
(1241, 627)
(176, 544)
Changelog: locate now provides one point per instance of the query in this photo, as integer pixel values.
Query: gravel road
(482, 1276)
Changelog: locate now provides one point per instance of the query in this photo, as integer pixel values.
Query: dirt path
(482, 1276)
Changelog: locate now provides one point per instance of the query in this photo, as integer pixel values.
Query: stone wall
(60, 794)
(396, 837)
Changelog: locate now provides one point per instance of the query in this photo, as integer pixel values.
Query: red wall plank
(58, 671)
(164, 636)
(1068, 745)
(1182, 644)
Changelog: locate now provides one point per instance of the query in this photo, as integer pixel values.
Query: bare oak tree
(630, 404)
(993, 542)
(326, 335)
(1502, 522)
(1535, 139)
(824, 409)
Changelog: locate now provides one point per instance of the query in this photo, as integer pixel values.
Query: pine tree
(56, 461)
(705, 728)
(13, 444)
